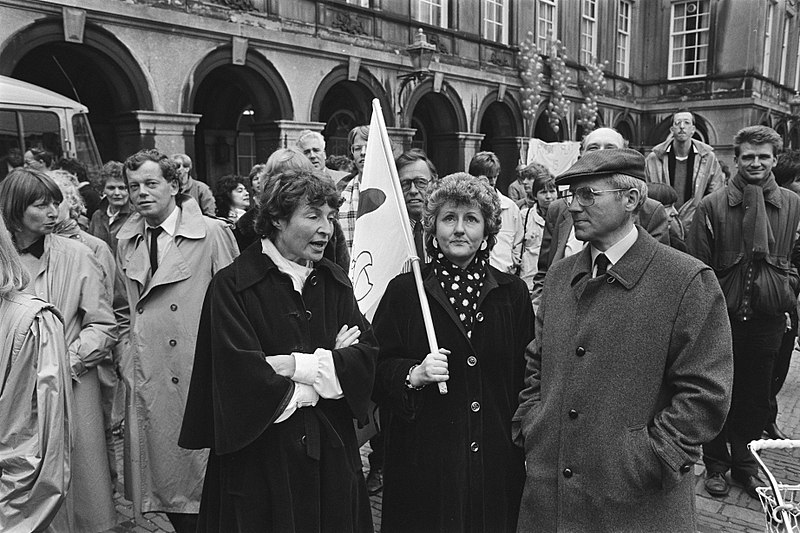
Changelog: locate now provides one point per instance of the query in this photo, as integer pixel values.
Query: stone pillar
(511, 151)
(168, 132)
(401, 139)
(452, 152)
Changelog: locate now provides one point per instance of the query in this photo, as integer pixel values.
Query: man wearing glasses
(558, 237)
(689, 165)
(350, 185)
(630, 371)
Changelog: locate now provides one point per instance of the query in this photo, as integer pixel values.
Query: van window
(85, 147)
(28, 129)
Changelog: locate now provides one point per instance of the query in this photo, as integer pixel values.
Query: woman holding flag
(450, 462)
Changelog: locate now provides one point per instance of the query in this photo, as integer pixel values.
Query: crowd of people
(600, 332)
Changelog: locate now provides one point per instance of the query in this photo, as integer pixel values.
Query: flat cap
(602, 163)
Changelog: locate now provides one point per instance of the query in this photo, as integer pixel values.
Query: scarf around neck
(757, 232)
(462, 286)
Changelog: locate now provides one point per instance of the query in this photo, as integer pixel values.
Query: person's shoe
(717, 484)
(749, 484)
(773, 431)
(375, 481)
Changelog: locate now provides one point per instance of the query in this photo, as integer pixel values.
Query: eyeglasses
(586, 195)
(420, 183)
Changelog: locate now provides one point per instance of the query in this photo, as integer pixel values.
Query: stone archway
(101, 73)
(241, 109)
(441, 127)
(343, 104)
(501, 124)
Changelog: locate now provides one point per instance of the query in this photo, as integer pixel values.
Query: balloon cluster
(558, 106)
(530, 70)
(593, 84)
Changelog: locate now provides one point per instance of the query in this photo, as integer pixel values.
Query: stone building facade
(228, 81)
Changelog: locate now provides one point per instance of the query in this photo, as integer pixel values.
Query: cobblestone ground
(734, 513)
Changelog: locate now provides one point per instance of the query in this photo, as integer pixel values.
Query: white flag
(382, 240)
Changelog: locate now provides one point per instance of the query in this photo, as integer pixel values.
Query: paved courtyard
(736, 512)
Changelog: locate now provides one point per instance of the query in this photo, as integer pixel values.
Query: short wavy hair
(164, 161)
(462, 189)
(112, 170)
(286, 191)
(222, 193)
(24, 187)
(758, 135)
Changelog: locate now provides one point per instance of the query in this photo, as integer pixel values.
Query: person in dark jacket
(115, 208)
(450, 464)
(284, 364)
(746, 233)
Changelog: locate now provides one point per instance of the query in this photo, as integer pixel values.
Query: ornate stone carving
(500, 59)
(349, 23)
(441, 46)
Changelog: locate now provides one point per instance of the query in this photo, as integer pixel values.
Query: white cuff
(305, 368)
(303, 396)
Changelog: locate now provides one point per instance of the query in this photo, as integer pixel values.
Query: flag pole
(433, 345)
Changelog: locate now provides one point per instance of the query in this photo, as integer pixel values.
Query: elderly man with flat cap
(630, 372)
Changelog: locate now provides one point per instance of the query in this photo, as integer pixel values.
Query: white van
(31, 116)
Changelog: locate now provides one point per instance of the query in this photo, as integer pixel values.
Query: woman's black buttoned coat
(450, 462)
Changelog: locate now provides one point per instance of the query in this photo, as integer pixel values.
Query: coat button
(472, 360)
(140, 310)
(173, 342)
(175, 380)
(303, 440)
(580, 351)
(567, 473)
(685, 468)
(573, 414)
(479, 317)
(474, 447)
(475, 406)
(313, 280)
(173, 307)
(308, 314)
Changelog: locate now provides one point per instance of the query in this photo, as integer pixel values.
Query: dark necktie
(154, 233)
(418, 241)
(601, 262)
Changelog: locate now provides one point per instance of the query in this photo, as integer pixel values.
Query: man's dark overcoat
(629, 374)
(450, 462)
(302, 474)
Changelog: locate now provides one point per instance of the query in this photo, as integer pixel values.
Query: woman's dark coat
(303, 474)
(450, 462)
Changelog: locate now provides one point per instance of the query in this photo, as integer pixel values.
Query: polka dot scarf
(461, 286)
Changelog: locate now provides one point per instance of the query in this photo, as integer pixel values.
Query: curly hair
(112, 170)
(24, 187)
(69, 190)
(285, 192)
(222, 193)
(462, 189)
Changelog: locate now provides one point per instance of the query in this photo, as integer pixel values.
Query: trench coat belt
(314, 419)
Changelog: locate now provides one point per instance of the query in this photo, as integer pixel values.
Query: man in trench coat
(630, 371)
(166, 256)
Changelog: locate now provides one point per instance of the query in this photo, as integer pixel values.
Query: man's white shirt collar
(170, 223)
(618, 249)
